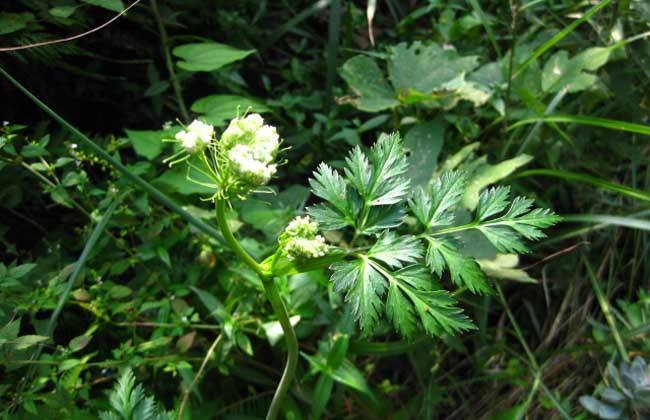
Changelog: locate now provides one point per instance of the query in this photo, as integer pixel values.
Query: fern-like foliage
(128, 402)
(399, 273)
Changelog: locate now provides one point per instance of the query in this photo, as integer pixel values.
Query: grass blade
(585, 120)
(606, 308)
(587, 179)
(609, 220)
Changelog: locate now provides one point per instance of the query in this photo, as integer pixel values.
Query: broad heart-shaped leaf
(443, 254)
(425, 69)
(218, 108)
(560, 72)
(434, 207)
(367, 81)
(207, 56)
(424, 142)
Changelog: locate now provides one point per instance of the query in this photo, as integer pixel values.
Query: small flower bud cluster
(251, 148)
(196, 137)
(300, 240)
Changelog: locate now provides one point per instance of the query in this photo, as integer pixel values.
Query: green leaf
(321, 395)
(412, 295)
(381, 218)
(443, 254)
(435, 208)
(387, 185)
(358, 170)
(363, 286)
(176, 180)
(367, 81)
(504, 232)
(396, 251)
(349, 375)
(560, 72)
(401, 312)
(113, 5)
(327, 217)
(489, 174)
(435, 307)
(26, 341)
(423, 142)
(119, 291)
(63, 11)
(330, 186)
(218, 108)
(208, 56)
(146, 143)
(212, 304)
(338, 351)
(21, 271)
(12, 22)
(491, 202)
(425, 69)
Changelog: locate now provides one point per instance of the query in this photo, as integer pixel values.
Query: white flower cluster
(251, 147)
(196, 137)
(300, 239)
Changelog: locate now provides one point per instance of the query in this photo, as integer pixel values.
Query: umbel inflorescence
(241, 161)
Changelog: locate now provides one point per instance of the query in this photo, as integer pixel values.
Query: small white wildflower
(245, 164)
(232, 133)
(189, 140)
(5, 123)
(74, 145)
(202, 130)
(252, 122)
(167, 125)
(251, 148)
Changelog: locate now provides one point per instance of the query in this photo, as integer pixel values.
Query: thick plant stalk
(279, 309)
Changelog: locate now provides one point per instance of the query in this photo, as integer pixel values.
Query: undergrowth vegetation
(324, 209)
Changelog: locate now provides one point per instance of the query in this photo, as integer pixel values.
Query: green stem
(168, 61)
(292, 349)
(232, 242)
(279, 309)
